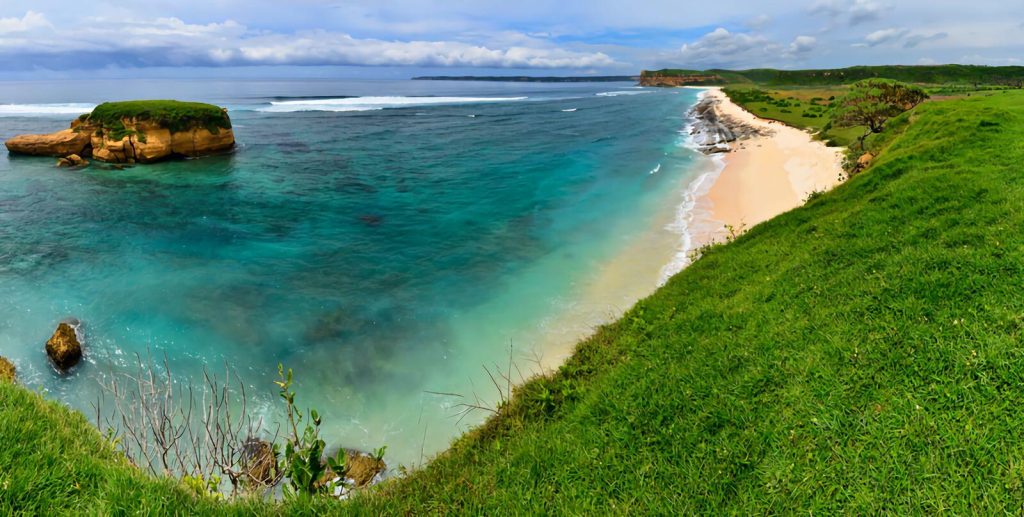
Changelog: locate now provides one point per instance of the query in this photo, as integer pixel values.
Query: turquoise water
(381, 247)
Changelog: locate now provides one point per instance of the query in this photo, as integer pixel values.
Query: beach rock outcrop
(135, 132)
(8, 373)
(64, 348)
(712, 133)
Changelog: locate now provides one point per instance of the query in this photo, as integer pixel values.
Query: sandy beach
(765, 176)
(759, 178)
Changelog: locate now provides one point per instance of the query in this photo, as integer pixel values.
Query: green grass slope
(53, 461)
(927, 74)
(860, 354)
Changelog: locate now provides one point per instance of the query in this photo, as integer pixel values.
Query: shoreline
(768, 169)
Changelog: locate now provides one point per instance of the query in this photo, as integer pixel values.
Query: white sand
(766, 176)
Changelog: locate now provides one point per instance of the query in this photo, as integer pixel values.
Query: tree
(872, 102)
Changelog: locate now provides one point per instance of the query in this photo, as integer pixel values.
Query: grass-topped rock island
(144, 131)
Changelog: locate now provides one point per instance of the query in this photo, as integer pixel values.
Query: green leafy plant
(378, 454)
(204, 486)
(303, 450)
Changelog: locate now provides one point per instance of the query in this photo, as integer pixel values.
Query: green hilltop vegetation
(860, 354)
(923, 74)
(174, 115)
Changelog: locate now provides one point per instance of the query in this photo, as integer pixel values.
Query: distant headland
(530, 79)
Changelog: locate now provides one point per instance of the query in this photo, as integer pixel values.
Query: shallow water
(383, 248)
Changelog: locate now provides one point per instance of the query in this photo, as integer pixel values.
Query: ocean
(389, 241)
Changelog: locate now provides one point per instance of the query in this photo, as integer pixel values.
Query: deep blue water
(380, 253)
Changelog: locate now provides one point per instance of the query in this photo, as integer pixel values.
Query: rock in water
(61, 143)
(135, 132)
(259, 463)
(8, 373)
(72, 160)
(64, 348)
(362, 468)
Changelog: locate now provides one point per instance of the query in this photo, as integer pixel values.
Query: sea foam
(692, 221)
(30, 110)
(622, 92)
(376, 103)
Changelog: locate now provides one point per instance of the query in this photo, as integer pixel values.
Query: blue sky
(399, 38)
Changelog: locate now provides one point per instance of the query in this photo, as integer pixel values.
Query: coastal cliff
(660, 78)
(136, 132)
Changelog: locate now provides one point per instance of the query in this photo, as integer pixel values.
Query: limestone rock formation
(135, 132)
(8, 373)
(64, 348)
(72, 160)
(62, 143)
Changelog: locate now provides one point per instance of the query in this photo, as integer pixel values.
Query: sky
(403, 38)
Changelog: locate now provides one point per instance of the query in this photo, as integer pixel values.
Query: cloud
(914, 40)
(802, 44)
(883, 36)
(927, 61)
(855, 13)
(31, 20)
(170, 41)
(723, 48)
(758, 22)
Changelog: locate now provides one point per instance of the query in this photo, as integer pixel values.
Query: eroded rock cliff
(136, 132)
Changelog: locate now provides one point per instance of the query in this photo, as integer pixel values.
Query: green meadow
(860, 354)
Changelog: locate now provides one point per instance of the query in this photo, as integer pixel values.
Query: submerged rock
(72, 160)
(8, 373)
(64, 348)
(135, 132)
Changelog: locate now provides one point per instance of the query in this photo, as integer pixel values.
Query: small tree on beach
(872, 102)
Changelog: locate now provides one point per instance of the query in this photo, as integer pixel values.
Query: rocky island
(135, 132)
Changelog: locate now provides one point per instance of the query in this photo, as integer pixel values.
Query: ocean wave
(29, 110)
(375, 103)
(689, 219)
(569, 110)
(656, 169)
(622, 92)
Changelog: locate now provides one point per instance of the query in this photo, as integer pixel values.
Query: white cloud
(914, 40)
(856, 12)
(759, 22)
(723, 48)
(31, 20)
(884, 36)
(803, 44)
(170, 41)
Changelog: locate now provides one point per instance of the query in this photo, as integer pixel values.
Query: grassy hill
(1012, 76)
(860, 354)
